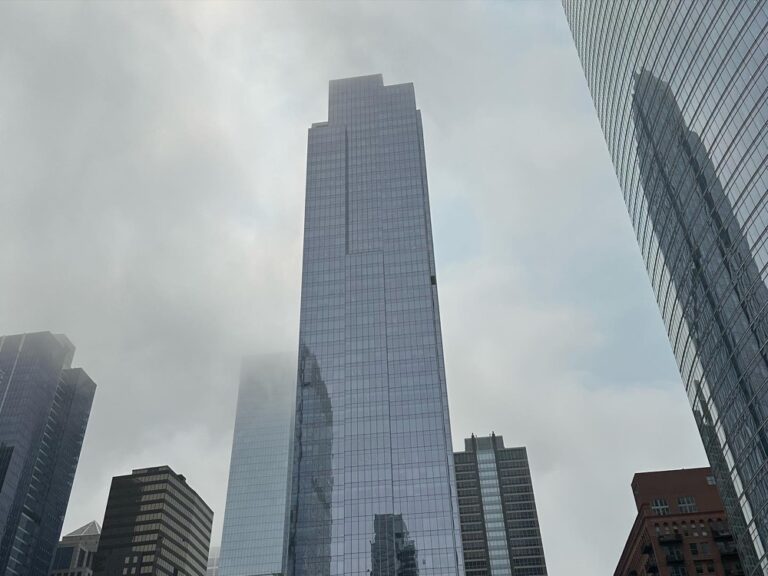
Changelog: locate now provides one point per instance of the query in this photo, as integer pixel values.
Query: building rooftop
(90, 529)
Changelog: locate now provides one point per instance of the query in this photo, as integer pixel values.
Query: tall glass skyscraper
(255, 513)
(373, 488)
(44, 410)
(681, 91)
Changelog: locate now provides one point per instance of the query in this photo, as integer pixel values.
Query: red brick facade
(680, 529)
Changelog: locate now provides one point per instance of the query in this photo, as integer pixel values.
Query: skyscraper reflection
(719, 295)
(393, 553)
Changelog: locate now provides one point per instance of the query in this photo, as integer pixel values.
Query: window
(660, 506)
(711, 480)
(677, 571)
(687, 504)
(694, 549)
(704, 548)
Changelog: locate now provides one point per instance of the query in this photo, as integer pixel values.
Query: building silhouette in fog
(44, 410)
(255, 513)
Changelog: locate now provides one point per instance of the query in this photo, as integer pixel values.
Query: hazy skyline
(153, 162)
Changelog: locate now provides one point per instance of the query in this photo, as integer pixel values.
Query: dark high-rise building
(499, 524)
(371, 438)
(680, 528)
(254, 518)
(681, 91)
(154, 524)
(44, 409)
(76, 551)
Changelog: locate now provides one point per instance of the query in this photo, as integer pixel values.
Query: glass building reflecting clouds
(255, 514)
(373, 489)
(680, 89)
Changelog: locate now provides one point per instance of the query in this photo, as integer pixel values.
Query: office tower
(214, 557)
(372, 444)
(499, 525)
(75, 553)
(154, 524)
(680, 90)
(254, 518)
(44, 409)
(680, 528)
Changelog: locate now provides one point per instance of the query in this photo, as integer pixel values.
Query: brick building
(680, 528)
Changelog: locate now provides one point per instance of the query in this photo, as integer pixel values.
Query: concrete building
(76, 551)
(499, 525)
(155, 524)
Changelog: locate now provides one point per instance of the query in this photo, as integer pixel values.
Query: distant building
(43, 415)
(213, 561)
(155, 524)
(499, 525)
(255, 513)
(76, 551)
(681, 528)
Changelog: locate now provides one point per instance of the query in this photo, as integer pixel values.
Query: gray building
(44, 409)
(499, 524)
(371, 457)
(255, 513)
(155, 524)
(76, 551)
(680, 89)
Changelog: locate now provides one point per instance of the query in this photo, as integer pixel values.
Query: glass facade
(499, 525)
(373, 487)
(44, 410)
(680, 89)
(254, 518)
(155, 525)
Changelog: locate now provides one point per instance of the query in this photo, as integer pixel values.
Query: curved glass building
(373, 488)
(680, 90)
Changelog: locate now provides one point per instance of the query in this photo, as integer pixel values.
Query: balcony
(670, 538)
(675, 558)
(727, 549)
(720, 534)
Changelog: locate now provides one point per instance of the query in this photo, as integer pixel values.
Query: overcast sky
(151, 199)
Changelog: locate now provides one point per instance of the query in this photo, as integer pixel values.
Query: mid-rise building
(681, 91)
(371, 441)
(154, 524)
(255, 513)
(44, 410)
(76, 551)
(499, 524)
(680, 529)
